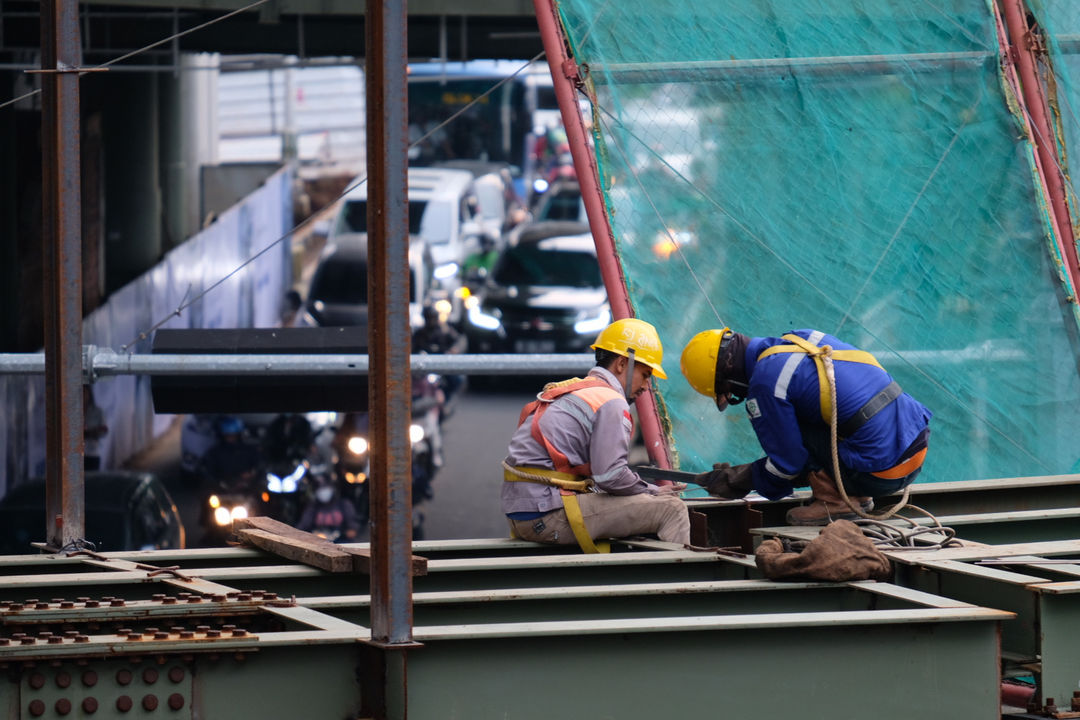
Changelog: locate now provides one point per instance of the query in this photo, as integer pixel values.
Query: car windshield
(563, 206)
(530, 265)
(341, 281)
(354, 218)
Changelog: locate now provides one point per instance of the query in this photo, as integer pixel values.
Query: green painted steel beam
(702, 669)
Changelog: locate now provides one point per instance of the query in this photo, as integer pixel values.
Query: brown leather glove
(728, 481)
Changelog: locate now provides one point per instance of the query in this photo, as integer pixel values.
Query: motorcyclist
(231, 460)
(480, 263)
(288, 437)
(328, 513)
(436, 337)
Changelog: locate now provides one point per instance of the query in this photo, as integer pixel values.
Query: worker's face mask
(324, 494)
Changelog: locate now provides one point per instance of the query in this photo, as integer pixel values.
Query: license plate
(534, 346)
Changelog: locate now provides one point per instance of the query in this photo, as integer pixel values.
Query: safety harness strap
(569, 487)
(543, 476)
(550, 393)
(872, 407)
(817, 353)
(577, 524)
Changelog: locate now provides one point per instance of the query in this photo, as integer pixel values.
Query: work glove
(728, 481)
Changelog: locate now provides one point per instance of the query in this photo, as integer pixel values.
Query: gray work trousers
(612, 516)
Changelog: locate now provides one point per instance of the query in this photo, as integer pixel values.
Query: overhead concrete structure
(458, 30)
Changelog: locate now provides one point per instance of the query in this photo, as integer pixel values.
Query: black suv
(544, 295)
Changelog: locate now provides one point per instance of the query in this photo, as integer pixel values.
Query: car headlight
(590, 323)
(238, 513)
(446, 271)
(540, 185)
(416, 433)
(481, 319)
(358, 445)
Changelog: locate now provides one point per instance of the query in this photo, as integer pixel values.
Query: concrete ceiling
(458, 29)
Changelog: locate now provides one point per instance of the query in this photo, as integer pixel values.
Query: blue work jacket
(784, 402)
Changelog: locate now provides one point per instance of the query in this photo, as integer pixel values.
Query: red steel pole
(565, 76)
(1034, 101)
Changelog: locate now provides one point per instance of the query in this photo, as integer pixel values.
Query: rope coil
(873, 525)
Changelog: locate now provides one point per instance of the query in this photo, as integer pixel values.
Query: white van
(442, 204)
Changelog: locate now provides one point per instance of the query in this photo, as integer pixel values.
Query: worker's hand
(728, 481)
(671, 489)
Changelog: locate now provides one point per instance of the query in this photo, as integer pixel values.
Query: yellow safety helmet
(622, 335)
(698, 361)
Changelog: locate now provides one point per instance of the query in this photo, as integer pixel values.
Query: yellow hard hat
(698, 361)
(621, 335)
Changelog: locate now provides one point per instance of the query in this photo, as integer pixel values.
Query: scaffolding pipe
(99, 363)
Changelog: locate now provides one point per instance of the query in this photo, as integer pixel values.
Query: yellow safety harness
(570, 480)
(569, 486)
(823, 357)
(818, 354)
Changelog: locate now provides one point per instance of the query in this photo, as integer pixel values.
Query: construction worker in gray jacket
(566, 478)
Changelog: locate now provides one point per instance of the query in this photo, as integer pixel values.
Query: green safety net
(854, 166)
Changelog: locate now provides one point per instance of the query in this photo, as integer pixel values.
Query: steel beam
(62, 271)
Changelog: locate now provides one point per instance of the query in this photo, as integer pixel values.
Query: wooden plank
(320, 553)
(360, 555)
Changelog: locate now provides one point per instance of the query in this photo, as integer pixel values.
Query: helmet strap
(629, 375)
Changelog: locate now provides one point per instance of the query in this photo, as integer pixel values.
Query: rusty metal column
(390, 342)
(565, 75)
(61, 233)
(1035, 102)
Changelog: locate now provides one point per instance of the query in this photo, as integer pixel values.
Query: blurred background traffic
(500, 261)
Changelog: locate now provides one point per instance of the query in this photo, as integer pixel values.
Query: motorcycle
(353, 449)
(233, 481)
(291, 447)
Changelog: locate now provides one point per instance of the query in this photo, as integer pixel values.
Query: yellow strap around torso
(569, 486)
(543, 476)
(818, 353)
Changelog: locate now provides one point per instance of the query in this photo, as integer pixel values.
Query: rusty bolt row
(90, 705)
(50, 639)
(182, 633)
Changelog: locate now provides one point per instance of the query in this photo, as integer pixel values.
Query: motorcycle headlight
(416, 433)
(357, 444)
(591, 322)
(222, 516)
(444, 308)
(215, 502)
(481, 319)
(540, 185)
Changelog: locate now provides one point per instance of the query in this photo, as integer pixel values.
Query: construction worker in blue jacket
(882, 432)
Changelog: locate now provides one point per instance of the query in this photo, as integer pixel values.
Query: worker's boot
(827, 505)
